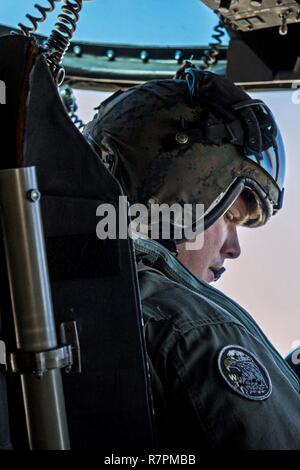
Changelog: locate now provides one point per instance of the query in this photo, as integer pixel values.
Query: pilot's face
(220, 242)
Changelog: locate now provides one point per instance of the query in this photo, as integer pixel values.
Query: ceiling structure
(263, 51)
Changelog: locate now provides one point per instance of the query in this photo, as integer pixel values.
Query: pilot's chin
(210, 276)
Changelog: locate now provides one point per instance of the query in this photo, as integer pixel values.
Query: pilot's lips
(215, 273)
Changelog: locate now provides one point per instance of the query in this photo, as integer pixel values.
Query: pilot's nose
(231, 248)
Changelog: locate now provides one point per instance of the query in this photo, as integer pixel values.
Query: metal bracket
(65, 357)
(69, 336)
(40, 362)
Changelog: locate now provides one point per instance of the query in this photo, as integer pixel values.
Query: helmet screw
(181, 138)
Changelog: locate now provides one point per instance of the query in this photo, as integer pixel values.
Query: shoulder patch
(244, 373)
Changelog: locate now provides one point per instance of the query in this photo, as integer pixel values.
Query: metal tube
(32, 305)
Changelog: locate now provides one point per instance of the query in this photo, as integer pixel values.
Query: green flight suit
(187, 325)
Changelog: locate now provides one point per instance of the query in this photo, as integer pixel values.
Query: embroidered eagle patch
(244, 373)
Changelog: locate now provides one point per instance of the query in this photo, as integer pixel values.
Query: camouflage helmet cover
(180, 142)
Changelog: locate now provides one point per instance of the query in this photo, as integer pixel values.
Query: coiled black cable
(29, 30)
(60, 38)
(210, 56)
(68, 98)
(77, 121)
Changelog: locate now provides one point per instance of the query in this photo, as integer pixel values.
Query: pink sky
(265, 279)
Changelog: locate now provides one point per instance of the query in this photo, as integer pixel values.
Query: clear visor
(272, 160)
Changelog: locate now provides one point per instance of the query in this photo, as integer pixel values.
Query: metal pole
(32, 305)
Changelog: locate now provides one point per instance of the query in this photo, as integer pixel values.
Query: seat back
(93, 281)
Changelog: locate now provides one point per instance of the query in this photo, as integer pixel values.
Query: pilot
(198, 140)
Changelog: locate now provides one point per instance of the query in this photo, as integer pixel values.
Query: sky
(265, 278)
(143, 22)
